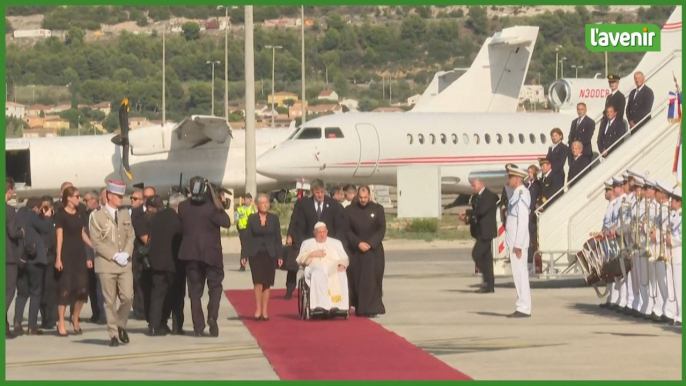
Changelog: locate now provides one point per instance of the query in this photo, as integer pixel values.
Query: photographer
(201, 217)
(481, 221)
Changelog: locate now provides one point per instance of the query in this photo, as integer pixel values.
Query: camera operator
(201, 217)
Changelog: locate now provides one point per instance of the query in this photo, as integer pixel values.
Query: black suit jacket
(550, 185)
(482, 222)
(577, 166)
(165, 233)
(201, 225)
(583, 133)
(35, 228)
(618, 101)
(256, 236)
(535, 192)
(614, 132)
(305, 216)
(557, 158)
(640, 106)
(13, 235)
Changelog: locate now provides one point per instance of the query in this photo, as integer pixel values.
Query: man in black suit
(482, 227)
(611, 132)
(578, 163)
(534, 186)
(306, 213)
(558, 153)
(550, 183)
(616, 99)
(640, 103)
(582, 130)
(201, 249)
(13, 234)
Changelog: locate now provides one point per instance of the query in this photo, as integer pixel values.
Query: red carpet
(339, 349)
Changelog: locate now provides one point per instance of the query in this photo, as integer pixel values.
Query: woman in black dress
(366, 225)
(534, 186)
(262, 247)
(71, 259)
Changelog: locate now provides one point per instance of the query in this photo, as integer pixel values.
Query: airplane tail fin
(492, 83)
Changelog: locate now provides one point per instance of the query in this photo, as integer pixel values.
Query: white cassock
(328, 287)
(517, 236)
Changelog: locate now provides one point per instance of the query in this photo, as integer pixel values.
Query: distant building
(34, 121)
(14, 109)
(37, 109)
(296, 110)
(105, 107)
(533, 93)
(323, 109)
(280, 98)
(58, 109)
(413, 99)
(39, 132)
(328, 95)
(55, 122)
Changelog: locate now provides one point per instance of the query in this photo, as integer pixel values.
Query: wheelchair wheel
(303, 300)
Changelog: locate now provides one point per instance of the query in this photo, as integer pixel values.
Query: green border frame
(601, 354)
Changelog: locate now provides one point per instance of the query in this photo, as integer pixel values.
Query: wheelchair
(304, 309)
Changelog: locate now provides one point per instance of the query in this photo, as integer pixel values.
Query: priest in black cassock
(366, 225)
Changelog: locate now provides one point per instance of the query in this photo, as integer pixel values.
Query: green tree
(191, 31)
(413, 28)
(111, 122)
(341, 85)
(477, 19)
(8, 26)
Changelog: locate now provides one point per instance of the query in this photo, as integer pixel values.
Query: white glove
(122, 258)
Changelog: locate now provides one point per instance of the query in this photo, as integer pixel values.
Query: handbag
(290, 254)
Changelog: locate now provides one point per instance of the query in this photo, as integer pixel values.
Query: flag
(678, 164)
(674, 112)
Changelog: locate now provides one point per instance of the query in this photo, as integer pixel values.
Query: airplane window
(433, 138)
(532, 138)
(454, 138)
(409, 138)
(543, 139)
(333, 132)
(310, 133)
(443, 139)
(499, 138)
(465, 139)
(487, 138)
(511, 138)
(521, 138)
(421, 139)
(476, 139)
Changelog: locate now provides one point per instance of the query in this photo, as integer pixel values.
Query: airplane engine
(564, 94)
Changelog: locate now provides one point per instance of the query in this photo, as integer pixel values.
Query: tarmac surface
(430, 301)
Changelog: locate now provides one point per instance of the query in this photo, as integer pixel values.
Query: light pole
(576, 70)
(164, 75)
(557, 53)
(213, 63)
(274, 48)
(226, 61)
(562, 67)
(303, 113)
(78, 126)
(250, 149)
(606, 59)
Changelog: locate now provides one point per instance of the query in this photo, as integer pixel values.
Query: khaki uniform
(109, 239)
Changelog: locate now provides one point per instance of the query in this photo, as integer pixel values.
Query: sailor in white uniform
(639, 267)
(517, 239)
(649, 262)
(663, 268)
(674, 244)
(607, 226)
(628, 288)
(619, 290)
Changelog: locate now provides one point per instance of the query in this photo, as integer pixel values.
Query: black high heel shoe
(76, 331)
(266, 319)
(61, 334)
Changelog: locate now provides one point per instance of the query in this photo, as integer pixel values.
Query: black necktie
(319, 210)
(116, 217)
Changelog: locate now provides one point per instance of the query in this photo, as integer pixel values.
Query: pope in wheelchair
(323, 289)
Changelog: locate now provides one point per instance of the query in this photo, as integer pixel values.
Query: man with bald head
(640, 103)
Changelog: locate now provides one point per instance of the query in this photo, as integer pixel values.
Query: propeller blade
(124, 139)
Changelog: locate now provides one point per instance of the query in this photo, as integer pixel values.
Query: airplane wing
(198, 130)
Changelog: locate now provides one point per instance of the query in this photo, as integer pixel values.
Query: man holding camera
(201, 217)
(481, 221)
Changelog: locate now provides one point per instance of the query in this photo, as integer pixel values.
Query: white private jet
(367, 148)
(159, 157)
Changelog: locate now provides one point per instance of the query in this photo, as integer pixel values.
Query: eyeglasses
(135, 198)
(77, 196)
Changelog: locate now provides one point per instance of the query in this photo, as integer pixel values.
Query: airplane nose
(268, 164)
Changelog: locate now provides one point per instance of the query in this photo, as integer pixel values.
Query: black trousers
(142, 288)
(482, 254)
(198, 273)
(241, 236)
(167, 298)
(10, 287)
(533, 238)
(30, 280)
(95, 295)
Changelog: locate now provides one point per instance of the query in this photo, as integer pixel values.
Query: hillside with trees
(409, 43)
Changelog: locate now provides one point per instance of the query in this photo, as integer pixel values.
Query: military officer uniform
(663, 273)
(616, 99)
(628, 287)
(638, 269)
(112, 236)
(675, 232)
(517, 236)
(550, 183)
(619, 288)
(649, 263)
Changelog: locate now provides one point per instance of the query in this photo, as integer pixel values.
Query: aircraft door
(369, 150)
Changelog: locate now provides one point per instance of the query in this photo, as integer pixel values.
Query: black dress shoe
(114, 342)
(93, 319)
(637, 314)
(484, 290)
(318, 311)
(9, 334)
(33, 331)
(603, 305)
(123, 335)
(199, 334)
(178, 331)
(214, 329)
(289, 294)
(655, 318)
(518, 314)
(677, 324)
(665, 319)
(18, 331)
(158, 332)
(241, 269)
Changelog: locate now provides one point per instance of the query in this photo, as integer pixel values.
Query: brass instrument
(662, 241)
(646, 253)
(620, 264)
(636, 246)
(624, 251)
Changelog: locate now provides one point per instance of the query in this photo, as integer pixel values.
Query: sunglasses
(77, 196)
(135, 198)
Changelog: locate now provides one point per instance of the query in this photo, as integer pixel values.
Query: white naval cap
(514, 171)
(608, 184)
(650, 183)
(319, 225)
(116, 187)
(638, 181)
(625, 176)
(634, 174)
(617, 181)
(665, 187)
(676, 192)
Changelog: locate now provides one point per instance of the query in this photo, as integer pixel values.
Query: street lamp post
(557, 55)
(576, 70)
(562, 67)
(213, 63)
(226, 61)
(606, 59)
(303, 114)
(273, 48)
